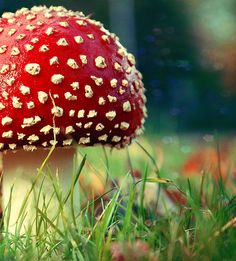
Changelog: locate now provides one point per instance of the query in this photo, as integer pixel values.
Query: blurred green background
(186, 50)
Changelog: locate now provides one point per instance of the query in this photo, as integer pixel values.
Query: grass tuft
(147, 214)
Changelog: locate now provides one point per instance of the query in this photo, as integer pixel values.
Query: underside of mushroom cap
(65, 78)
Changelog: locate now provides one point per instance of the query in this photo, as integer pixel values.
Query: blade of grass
(155, 180)
(157, 171)
(151, 158)
(38, 196)
(201, 194)
(127, 221)
(7, 211)
(102, 224)
(73, 183)
(143, 194)
(81, 166)
(98, 198)
(107, 164)
(51, 223)
(130, 164)
(58, 192)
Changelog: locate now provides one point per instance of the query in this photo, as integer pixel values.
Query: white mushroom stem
(20, 169)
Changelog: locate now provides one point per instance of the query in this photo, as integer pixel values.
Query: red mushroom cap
(63, 77)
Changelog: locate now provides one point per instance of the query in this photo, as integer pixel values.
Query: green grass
(121, 219)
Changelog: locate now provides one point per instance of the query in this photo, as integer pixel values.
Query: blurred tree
(183, 94)
(122, 22)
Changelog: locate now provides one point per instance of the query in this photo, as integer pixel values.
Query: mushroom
(64, 80)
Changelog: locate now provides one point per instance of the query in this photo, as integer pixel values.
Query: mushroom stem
(20, 170)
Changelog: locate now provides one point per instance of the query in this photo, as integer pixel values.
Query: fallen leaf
(208, 160)
(131, 251)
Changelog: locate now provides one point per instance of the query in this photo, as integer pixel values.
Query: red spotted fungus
(65, 80)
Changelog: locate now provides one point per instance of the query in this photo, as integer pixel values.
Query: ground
(163, 198)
